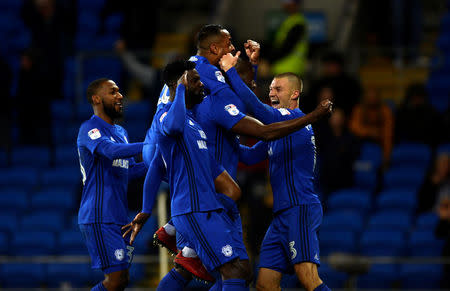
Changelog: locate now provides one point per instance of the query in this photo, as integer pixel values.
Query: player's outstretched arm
(152, 182)
(261, 111)
(136, 170)
(253, 155)
(111, 150)
(254, 128)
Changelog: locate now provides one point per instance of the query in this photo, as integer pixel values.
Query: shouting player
(291, 242)
(106, 161)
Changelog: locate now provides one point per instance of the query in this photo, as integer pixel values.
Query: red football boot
(162, 238)
(193, 266)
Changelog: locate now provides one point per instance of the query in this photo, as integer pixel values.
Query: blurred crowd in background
(51, 49)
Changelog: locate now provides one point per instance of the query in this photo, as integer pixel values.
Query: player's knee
(236, 269)
(308, 275)
(262, 284)
(118, 281)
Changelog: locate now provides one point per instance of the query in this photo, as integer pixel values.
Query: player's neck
(212, 59)
(104, 116)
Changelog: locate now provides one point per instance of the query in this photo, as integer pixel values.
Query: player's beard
(111, 111)
(195, 98)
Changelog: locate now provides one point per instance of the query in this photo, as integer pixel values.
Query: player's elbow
(268, 134)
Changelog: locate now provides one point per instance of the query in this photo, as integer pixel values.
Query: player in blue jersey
(196, 213)
(291, 242)
(106, 162)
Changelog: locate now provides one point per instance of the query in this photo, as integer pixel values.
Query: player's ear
(213, 49)
(295, 95)
(96, 99)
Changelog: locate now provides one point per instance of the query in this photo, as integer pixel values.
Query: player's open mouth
(120, 105)
(275, 101)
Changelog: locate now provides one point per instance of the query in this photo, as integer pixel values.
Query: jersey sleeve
(90, 136)
(212, 78)
(153, 178)
(253, 155)
(225, 111)
(216, 168)
(172, 121)
(261, 111)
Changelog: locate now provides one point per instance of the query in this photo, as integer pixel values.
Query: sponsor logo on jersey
(119, 254)
(284, 111)
(227, 251)
(202, 134)
(219, 76)
(121, 163)
(94, 134)
(162, 116)
(202, 144)
(232, 109)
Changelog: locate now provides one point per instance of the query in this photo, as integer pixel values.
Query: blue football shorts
(292, 238)
(109, 251)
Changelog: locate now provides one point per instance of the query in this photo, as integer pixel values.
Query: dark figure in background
(417, 120)
(33, 100)
(339, 150)
(346, 90)
(372, 120)
(6, 77)
(442, 231)
(434, 183)
(52, 25)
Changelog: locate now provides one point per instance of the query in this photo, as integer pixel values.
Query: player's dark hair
(206, 32)
(292, 77)
(243, 66)
(93, 88)
(173, 71)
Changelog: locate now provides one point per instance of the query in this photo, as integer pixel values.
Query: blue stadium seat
(26, 178)
(4, 244)
(402, 201)
(64, 273)
(31, 243)
(409, 179)
(71, 242)
(113, 23)
(13, 201)
(88, 24)
(22, 275)
(334, 279)
(3, 158)
(62, 176)
(427, 221)
(137, 272)
(421, 276)
(136, 130)
(31, 156)
(364, 178)
(382, 243)
(372, 154)
(444, 148)
(64, 134)
(337, 241)
(62, 111)
(349, 199)
(67, 155)
(424, 243)
(84, 112)
(379, 276)
(42, 221)
(342, 221)
(8, 221)
(390, 220)
(411, 154)
(56, 199)
(107, 67)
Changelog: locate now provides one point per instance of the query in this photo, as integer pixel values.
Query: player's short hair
(205, 34)
(93, 87)
(243, 66)
(293, 79)
(173, 71)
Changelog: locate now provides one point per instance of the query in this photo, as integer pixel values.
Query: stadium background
(381, 206)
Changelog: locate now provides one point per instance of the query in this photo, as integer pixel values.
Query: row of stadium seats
(54, 275)
(27, 178)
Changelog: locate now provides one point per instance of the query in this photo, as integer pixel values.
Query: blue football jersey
(150, 145)
(189, 166)
(292, 162)
(104, 198)
(218, 113)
